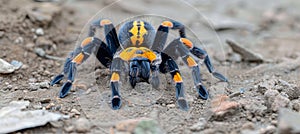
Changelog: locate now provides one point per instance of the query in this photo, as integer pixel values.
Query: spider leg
(162, 35)
(202, 54)
(169, 65)
(116, 68)
(111, 37)
(158, 46)
(105, 52)
(175, 49)
(77, 57)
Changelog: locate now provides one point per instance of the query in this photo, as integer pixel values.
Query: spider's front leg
(169, 65)
(116, 67)
(77, 57)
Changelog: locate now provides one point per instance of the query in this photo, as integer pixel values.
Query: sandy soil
(270, 29)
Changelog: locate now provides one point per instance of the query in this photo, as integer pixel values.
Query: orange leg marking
(86, 41)
(191, 62)
(167, 24)
(105, 22)
(78, 59)
(115, 77)
(186, 42)
(177, 78)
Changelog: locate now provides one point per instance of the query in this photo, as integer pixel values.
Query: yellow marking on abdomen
(177, 77)
(138, 31)
(191, 62)
(78, 59)
(115, 77)
(131, 52)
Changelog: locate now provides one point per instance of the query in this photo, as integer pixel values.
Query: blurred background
(253, 43)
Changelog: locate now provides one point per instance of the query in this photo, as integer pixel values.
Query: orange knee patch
(167, 24)
(86, 41)
(105, 22)
(186, 42)
(115, 77)
(191, 62)
(177, 77)
(78, 59)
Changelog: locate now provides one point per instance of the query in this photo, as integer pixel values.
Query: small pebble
(19, 40)
(82, 125)
(39, 31)
(171, 105)
(1, 34)
(75, 111)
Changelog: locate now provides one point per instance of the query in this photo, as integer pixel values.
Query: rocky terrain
(253, 43)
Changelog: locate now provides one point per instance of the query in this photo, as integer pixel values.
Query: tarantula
(142, 48)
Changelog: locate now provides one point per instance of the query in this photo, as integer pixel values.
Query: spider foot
(202, 92)
(57, 79)
(220, 76)
(182, 103)
(116, 102)
(65, 89)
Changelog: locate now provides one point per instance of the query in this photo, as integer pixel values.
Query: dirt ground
(269, 28)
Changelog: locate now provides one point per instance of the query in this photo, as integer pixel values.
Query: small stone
(43, 13)
(274, 122)
(44, 84)
(268, 130)
(235, 58)
(245, 53)
(270, 96)
(1, 34)
(45, 100)
(296, 105)
(16, 64)
(29, 46)
(82, 125)
(248, 125)
(289, 122)
(40, 52)
(199, 125)
(5, 67)
(280, 102)
(222, 107)
(69, 129)
(75, 111)
(171, 105)
(33, 87)
(37, 106)
(56, 124)
(39, 31)
(49, 106)
(32, 80)
(19, 40)
(43, 42)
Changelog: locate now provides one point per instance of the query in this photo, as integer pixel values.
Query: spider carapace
(141, 48)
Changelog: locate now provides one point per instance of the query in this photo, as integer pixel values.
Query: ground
(270, 29)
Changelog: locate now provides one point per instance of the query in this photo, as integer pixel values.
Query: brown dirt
(275, 37)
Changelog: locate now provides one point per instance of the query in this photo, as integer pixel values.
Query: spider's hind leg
(77, 57)
(177, 46)
(201, 54)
